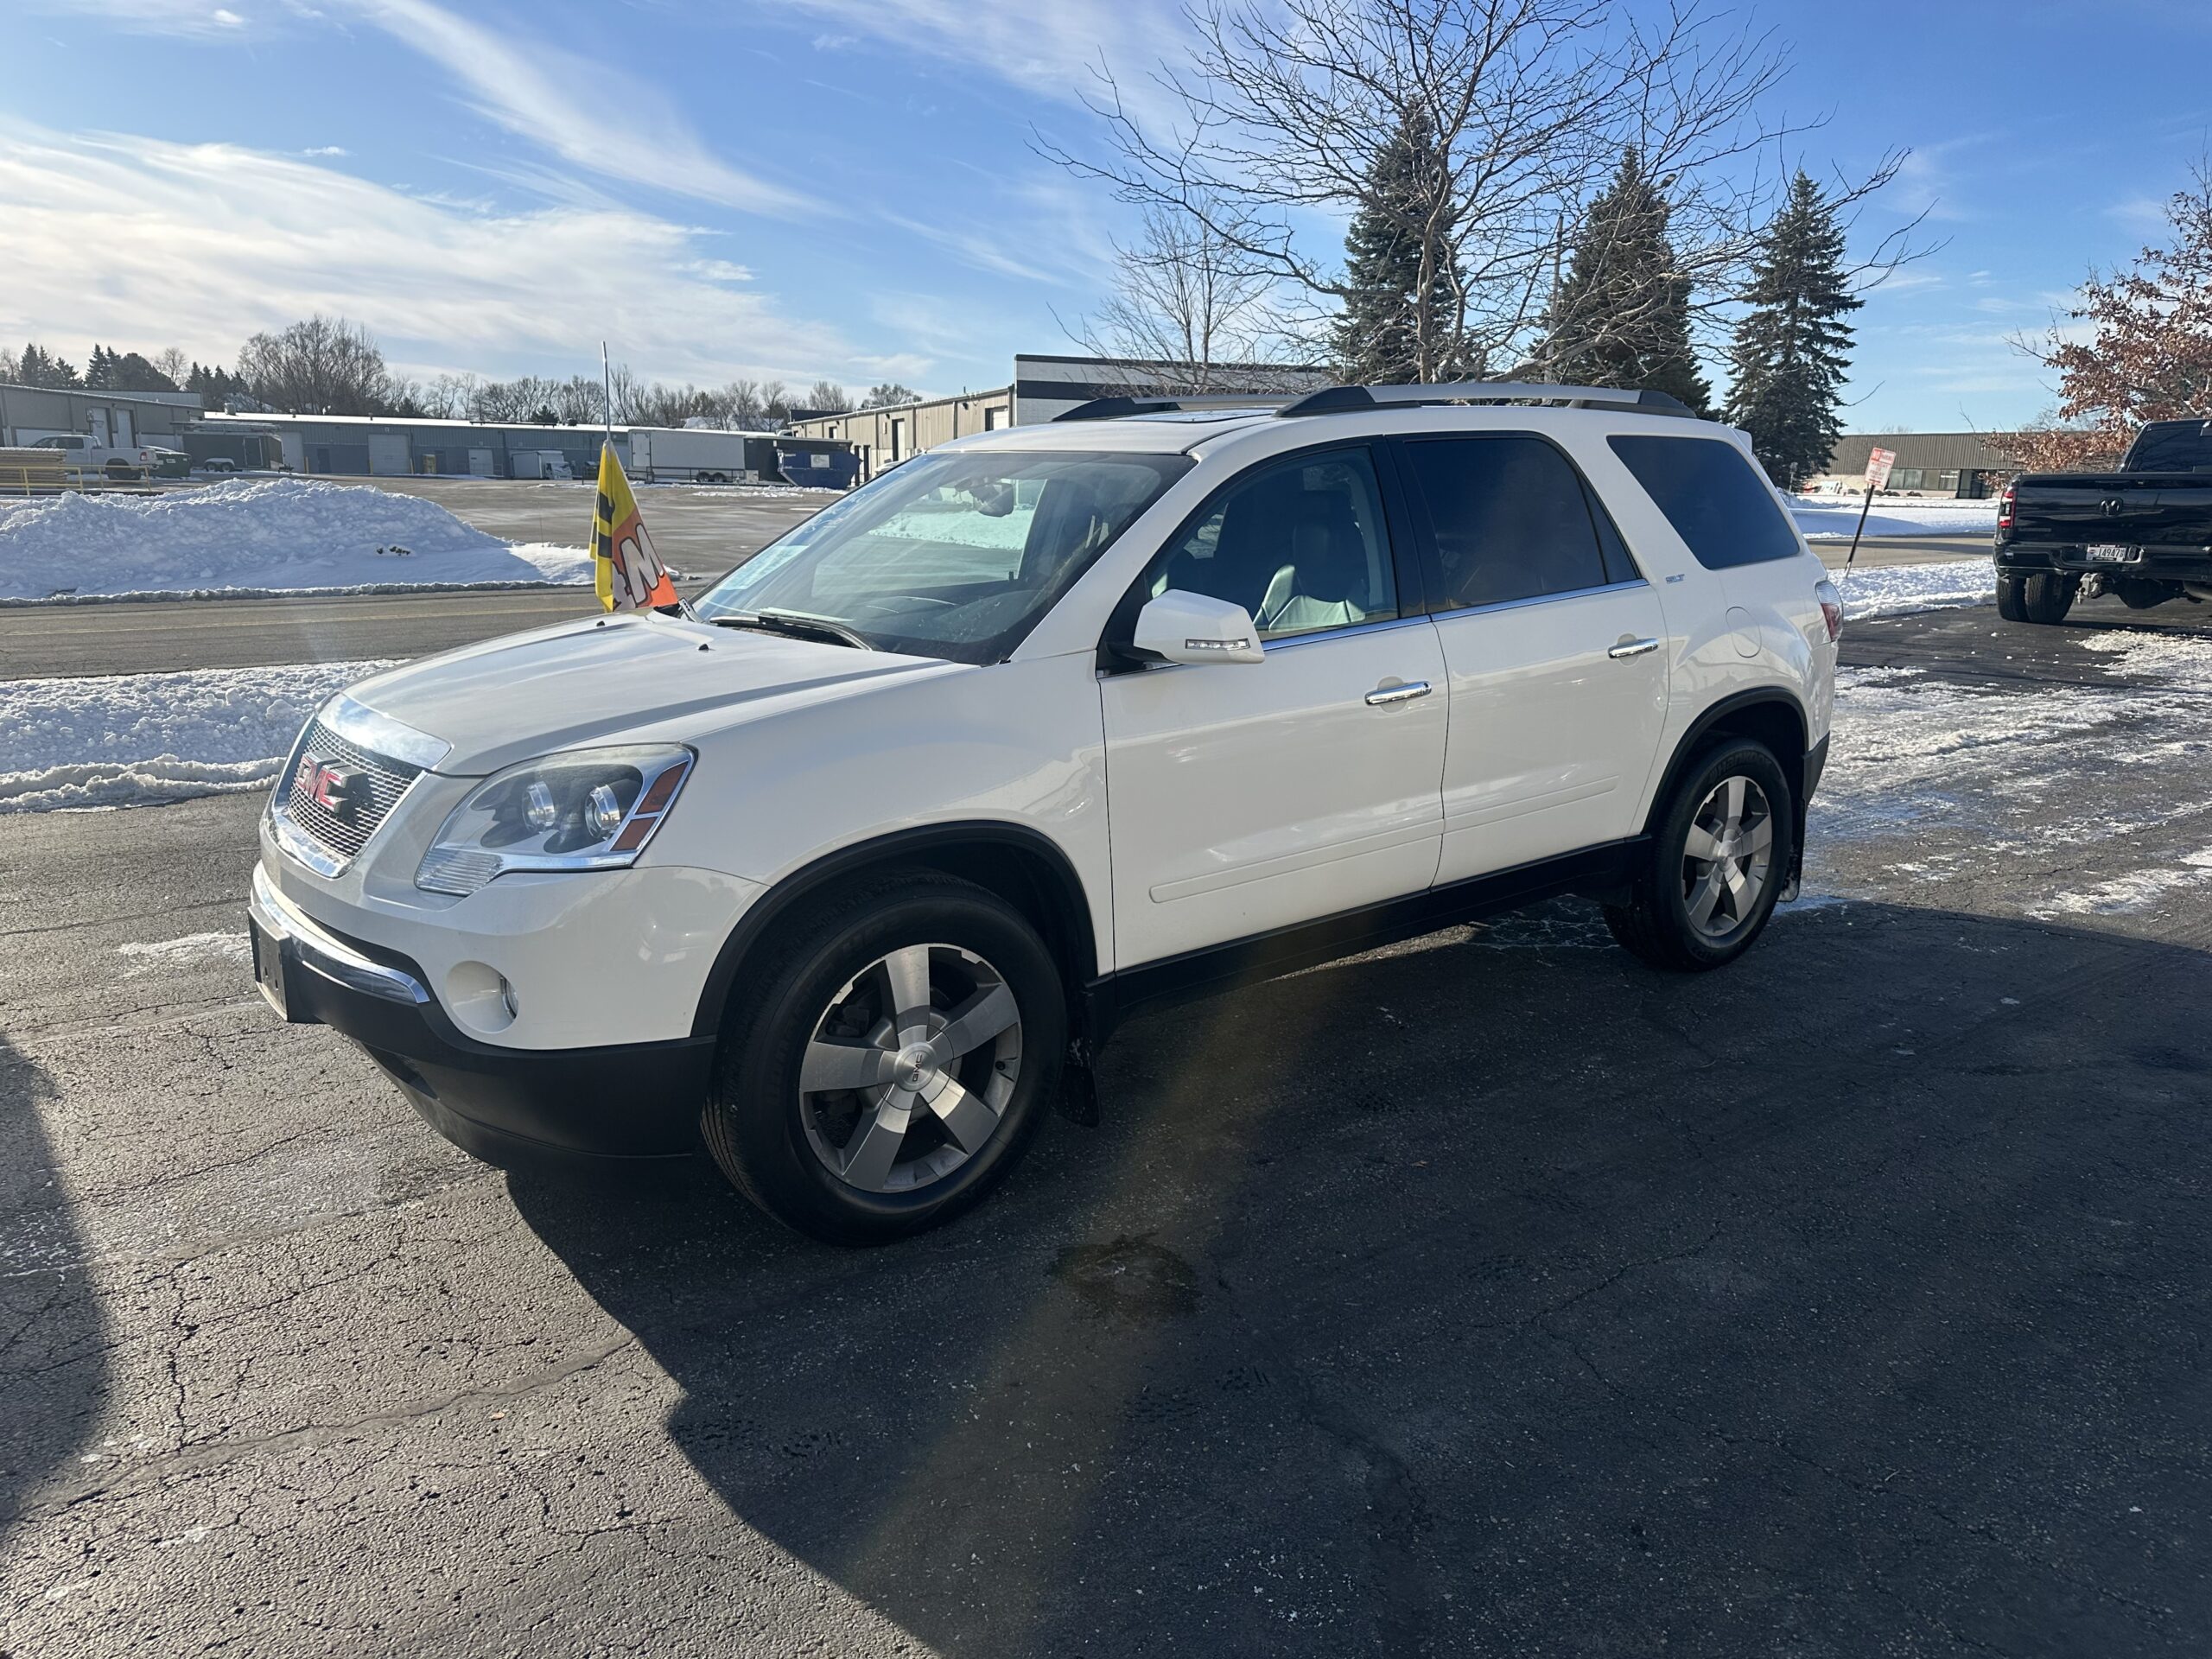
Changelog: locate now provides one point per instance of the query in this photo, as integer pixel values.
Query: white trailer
(688, 454)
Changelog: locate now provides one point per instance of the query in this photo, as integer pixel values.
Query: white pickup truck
(113, 461)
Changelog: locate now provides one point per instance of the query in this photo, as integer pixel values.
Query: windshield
(955, 554)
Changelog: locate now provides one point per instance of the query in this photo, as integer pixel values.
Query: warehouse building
(1043, 388)
(1966, 464)
(380, 446)
(121, 419)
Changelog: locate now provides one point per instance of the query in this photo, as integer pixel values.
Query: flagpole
(606, 391)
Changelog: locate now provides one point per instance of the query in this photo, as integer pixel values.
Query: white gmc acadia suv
(841, 873)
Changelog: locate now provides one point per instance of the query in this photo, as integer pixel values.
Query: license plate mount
(268, 968)
(2109, 553)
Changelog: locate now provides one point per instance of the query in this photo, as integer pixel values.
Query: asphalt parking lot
(1488, 1295)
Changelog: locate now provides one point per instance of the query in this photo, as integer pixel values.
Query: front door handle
(1403, 693)
(1629, 647)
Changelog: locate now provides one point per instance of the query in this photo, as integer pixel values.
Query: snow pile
(1897, 589)
(140, 739)
(1825, 517)
(259, 534)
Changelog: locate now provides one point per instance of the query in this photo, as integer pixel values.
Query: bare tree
(1187, 301)
(1289, 110)
(449, 396)
(323, 365)
(828, 397)
(889, 394)
(10, 368)
(172, 362)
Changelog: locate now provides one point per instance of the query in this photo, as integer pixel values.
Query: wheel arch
(1020, 864)
(1767, 715)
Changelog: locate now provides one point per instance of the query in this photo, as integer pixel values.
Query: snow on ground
(161, 955)
(1824, 517)
(259, 534)
(1895, 589)
(1941, 793)
(140, 739)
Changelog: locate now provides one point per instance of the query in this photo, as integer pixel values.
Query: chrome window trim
(1315, 636)
(1539, 599)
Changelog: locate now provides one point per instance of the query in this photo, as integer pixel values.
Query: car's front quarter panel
(1017, 743)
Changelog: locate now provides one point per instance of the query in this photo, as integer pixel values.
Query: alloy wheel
(1727, 857)
(908, 1071)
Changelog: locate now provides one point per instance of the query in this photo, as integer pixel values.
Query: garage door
(388, 454)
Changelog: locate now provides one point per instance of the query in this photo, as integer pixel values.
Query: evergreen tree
(1621, 316)
(1792, 348)
(40, 367)
(110, 371)
(1397, 326)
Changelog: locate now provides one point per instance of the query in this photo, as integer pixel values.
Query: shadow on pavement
(1482, 1299)
(53, 1368)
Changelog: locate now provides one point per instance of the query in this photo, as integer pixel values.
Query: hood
(601, 680)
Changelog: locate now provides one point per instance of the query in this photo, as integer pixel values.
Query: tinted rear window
(1717, 503)
(1509, 517)
(2172, 447)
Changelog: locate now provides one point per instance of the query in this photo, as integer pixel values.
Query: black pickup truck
(2143, 534)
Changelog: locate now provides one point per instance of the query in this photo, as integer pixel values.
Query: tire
(873, 1161)
(1663, 927)
(2046, 599)
(2013, 598)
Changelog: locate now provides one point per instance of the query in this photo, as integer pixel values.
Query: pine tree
(40, 367)
(1792, 348)
(1397, 326)
(1621, 316)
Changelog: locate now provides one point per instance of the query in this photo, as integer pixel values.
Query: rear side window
(1718, 503)
(1510, 519)
(2172, 447)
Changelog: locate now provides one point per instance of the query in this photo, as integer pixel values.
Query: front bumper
(634, 1100)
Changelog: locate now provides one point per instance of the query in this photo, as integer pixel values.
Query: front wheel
(889, 1061)
(1720, 854)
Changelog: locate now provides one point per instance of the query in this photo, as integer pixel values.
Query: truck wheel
(889, 1060)
(2013, 598)
(2049, 597)
(1720, 856)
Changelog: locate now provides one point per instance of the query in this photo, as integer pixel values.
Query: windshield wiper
(796, 625)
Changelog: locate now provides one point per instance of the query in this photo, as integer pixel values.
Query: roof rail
(1109, 408)
(1341, 400)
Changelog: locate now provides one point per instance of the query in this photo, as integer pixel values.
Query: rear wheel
(889, 1061)
(2044, 597)
(1720, 856)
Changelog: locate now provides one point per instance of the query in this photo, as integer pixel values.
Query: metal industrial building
(1964, 464)
(120, 418)
(1043, 388)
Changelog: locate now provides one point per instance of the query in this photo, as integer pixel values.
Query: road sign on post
(1878, 462)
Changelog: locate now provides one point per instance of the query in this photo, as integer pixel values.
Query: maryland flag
(625, 568)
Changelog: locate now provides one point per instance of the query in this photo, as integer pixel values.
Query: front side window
(1718, 503)
(956, 555)
(1299, 543)
(1509, 519)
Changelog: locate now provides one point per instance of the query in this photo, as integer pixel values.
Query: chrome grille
(385, 780)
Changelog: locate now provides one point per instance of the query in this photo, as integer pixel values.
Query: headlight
(584, 809)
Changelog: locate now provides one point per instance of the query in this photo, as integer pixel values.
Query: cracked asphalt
(1489, 1295)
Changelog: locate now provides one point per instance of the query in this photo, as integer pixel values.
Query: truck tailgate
(2142, 509)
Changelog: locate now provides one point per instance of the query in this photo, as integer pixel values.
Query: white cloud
(131, 239)
(187, 17)
(326, 150)
(585, 111)
(1053, 48)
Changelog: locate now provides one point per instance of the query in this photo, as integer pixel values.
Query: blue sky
(845, 187)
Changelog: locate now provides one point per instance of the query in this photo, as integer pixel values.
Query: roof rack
(1341, 400)
(1110, 409)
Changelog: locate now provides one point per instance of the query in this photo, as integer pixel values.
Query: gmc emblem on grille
(339, 790)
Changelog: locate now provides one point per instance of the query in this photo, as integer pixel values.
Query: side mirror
(1186, 627)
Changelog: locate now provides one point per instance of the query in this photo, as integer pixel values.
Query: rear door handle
(1633, 648)
(1388, 694)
